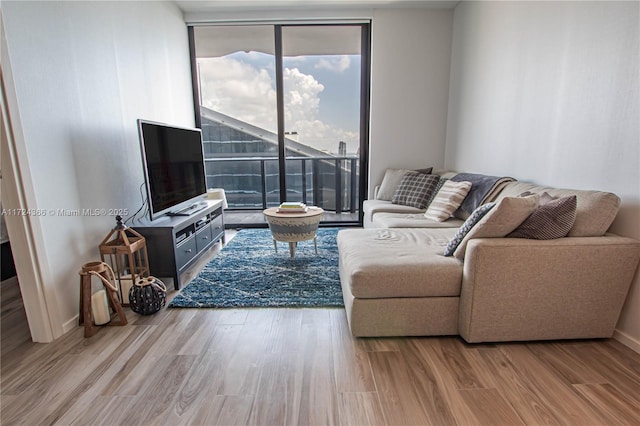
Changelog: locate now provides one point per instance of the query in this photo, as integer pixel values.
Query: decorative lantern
(125, 251)
(147, 296)
(102, 307)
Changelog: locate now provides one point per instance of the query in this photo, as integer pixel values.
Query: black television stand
(174, 243)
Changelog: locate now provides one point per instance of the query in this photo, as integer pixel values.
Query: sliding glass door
(236, 111)
(321, 80)
(284, 114)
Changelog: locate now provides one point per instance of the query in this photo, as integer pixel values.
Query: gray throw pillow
(553, 219)
(416, 189)
(390, 182)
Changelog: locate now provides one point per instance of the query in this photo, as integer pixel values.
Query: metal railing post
(354, 185)
(263, 176)
(315, 182)
(337, 172)
(303, 168)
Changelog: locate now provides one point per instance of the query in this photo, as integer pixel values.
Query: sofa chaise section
(396, 282)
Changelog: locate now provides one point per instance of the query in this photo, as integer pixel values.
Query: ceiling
(196, 6)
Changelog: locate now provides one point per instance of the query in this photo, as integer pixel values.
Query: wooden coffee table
(294, 227)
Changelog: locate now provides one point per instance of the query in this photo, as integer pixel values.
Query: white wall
(83, 72)
(410, 60)
(548, 92)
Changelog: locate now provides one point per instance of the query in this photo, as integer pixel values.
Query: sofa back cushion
(595, 210)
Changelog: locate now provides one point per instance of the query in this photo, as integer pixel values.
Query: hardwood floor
(13, 320)
(302, 367)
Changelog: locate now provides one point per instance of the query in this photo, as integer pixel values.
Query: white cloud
(301, 99)
(239, 90)
(339, 64)
(242, 91)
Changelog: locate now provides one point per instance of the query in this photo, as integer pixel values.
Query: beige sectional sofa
(396, 280)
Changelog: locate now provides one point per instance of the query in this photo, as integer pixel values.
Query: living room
(546, 92)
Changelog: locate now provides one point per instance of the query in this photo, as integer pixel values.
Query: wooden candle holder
(86, 313)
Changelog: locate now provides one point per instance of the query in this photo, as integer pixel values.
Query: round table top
(311, 211)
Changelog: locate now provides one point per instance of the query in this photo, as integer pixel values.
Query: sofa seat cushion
(372, 207)
(384, 263)
(595, 211)
(412, 220)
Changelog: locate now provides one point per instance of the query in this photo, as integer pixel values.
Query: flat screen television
(173, 162)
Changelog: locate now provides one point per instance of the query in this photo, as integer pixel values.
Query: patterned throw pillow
(415, 189)
(391, 180)
(447, 200)
(553, 219)
(466, 227)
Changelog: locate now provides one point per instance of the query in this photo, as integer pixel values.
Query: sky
(321, 94)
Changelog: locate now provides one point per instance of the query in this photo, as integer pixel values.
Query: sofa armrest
(569, 288)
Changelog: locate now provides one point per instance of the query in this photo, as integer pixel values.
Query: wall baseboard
(71, 324)
(627, 340)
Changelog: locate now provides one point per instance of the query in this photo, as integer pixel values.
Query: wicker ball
(147, 296)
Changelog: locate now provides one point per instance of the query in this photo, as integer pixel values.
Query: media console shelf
(175, 242)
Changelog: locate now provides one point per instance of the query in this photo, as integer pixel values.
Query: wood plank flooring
(302, 367)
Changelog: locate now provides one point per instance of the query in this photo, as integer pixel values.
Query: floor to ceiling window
(284, 115)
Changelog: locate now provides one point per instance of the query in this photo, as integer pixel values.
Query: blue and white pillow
(466, 227)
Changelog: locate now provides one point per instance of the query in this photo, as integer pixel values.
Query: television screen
(174, 167)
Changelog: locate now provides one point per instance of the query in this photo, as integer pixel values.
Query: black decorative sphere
(147, 296)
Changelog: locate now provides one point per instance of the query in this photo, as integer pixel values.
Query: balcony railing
(251, 183)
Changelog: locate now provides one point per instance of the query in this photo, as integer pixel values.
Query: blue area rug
(249, 273)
